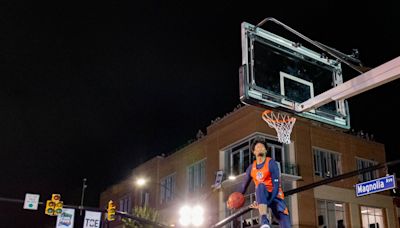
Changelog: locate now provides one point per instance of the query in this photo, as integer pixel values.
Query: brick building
(316, 152)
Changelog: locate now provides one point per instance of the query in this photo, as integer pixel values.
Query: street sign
(92, 219)
(31, 201)
(218, 179)
(377, 185)
(66, 218)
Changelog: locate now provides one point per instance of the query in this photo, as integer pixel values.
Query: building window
(167, 188)
(125, 204)
(372, 217)
(144, 198)
(330, 214)
(364, 163)
(240, 158)
(326, 164)
(277, 153)
(240, 155)
(196, 175)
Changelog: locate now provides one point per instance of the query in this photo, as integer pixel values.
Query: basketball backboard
(278, 73)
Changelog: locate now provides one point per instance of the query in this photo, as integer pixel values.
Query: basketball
(235, 200)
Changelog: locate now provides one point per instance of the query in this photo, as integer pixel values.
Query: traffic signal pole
(119, 213)
(84, 186)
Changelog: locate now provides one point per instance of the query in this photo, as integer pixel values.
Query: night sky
(92, 90)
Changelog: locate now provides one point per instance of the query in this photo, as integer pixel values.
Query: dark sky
(92, 90)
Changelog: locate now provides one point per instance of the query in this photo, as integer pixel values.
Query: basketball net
(283, 124)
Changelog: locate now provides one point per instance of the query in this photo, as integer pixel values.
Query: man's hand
(254, 205)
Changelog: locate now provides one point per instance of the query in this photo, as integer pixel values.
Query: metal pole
(311, 186)
(341, 177)
(120, 213)
(83, 194)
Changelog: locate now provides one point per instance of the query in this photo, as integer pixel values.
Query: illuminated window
(372, 217)
(240, 156)
(330, 214)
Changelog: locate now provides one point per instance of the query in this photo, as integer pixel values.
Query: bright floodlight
(184, 215)
(184, 221)
(191, 216)
(140, 181)
(232, 177)
(197, 221)
(197, 210)
(185, 211)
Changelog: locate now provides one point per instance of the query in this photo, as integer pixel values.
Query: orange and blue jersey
(266, 173)
(265, 176)
(268, 189)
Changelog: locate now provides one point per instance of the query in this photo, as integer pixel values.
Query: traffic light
(58, 208)
(55, 198)
(54, 206)
(50, 205)
(111, 211)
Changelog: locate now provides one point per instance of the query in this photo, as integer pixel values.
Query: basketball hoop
(283, 124)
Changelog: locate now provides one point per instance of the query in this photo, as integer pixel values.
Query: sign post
(377, 185)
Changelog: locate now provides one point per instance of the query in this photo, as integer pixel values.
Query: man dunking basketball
(265, 173)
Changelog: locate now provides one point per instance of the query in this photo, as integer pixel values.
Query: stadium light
(191, 216)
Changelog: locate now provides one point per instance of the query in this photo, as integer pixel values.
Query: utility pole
(84, 186)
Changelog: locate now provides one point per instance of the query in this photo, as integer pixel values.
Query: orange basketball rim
(281, 122)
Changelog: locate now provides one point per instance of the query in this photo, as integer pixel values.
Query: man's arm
(247, 180)
(274, 170)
